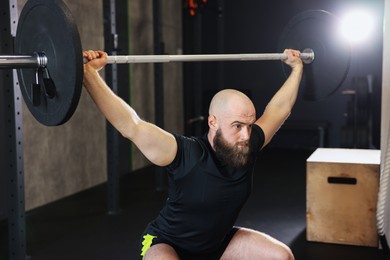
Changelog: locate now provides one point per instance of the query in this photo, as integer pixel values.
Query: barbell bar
(49, 62)
(39, 60)
(307, 56)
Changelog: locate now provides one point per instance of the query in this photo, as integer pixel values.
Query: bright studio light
(356, 26)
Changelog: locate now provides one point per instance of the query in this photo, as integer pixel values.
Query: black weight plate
(317, 29)
(48, 26)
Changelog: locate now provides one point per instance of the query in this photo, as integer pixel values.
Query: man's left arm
(281, 104)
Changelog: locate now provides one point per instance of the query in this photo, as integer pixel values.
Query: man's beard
(232, 155)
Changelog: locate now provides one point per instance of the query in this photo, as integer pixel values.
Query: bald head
(231, 115)
(231, 102)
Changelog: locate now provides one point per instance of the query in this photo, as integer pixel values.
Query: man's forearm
(117, 112)
(285, 97)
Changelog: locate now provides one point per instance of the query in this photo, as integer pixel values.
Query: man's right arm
(157, 145)
(281, 104)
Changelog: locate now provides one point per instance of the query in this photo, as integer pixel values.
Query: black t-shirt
(205, 196)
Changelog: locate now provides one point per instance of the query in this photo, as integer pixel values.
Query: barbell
(39, 60)
(49, 62)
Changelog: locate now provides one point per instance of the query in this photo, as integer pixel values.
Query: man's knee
(256, 245)
(280, 251)
(161, 252)
(285, 253)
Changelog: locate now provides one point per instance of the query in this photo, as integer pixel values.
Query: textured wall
(63, 160)
(60, 161)
(142, 82)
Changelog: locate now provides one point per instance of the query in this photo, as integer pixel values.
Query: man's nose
(245, 132)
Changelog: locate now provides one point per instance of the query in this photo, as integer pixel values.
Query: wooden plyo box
(341, 196)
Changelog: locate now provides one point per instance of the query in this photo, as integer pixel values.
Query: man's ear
(212, 121)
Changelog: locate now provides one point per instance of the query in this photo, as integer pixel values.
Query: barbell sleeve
(36, 60)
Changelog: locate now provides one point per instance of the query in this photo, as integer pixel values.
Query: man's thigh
(251, 244)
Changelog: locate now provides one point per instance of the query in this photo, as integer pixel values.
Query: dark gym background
(238, 27)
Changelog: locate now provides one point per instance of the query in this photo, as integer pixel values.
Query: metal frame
(113, 174)
(13, 139)
(158, 43)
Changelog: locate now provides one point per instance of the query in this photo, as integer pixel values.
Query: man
(210, 178)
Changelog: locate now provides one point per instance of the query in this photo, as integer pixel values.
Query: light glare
(356, 26)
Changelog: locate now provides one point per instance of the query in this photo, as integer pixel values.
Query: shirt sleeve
(188, 154)
(258, 137)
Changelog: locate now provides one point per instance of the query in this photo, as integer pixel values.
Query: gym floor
(78, 227)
